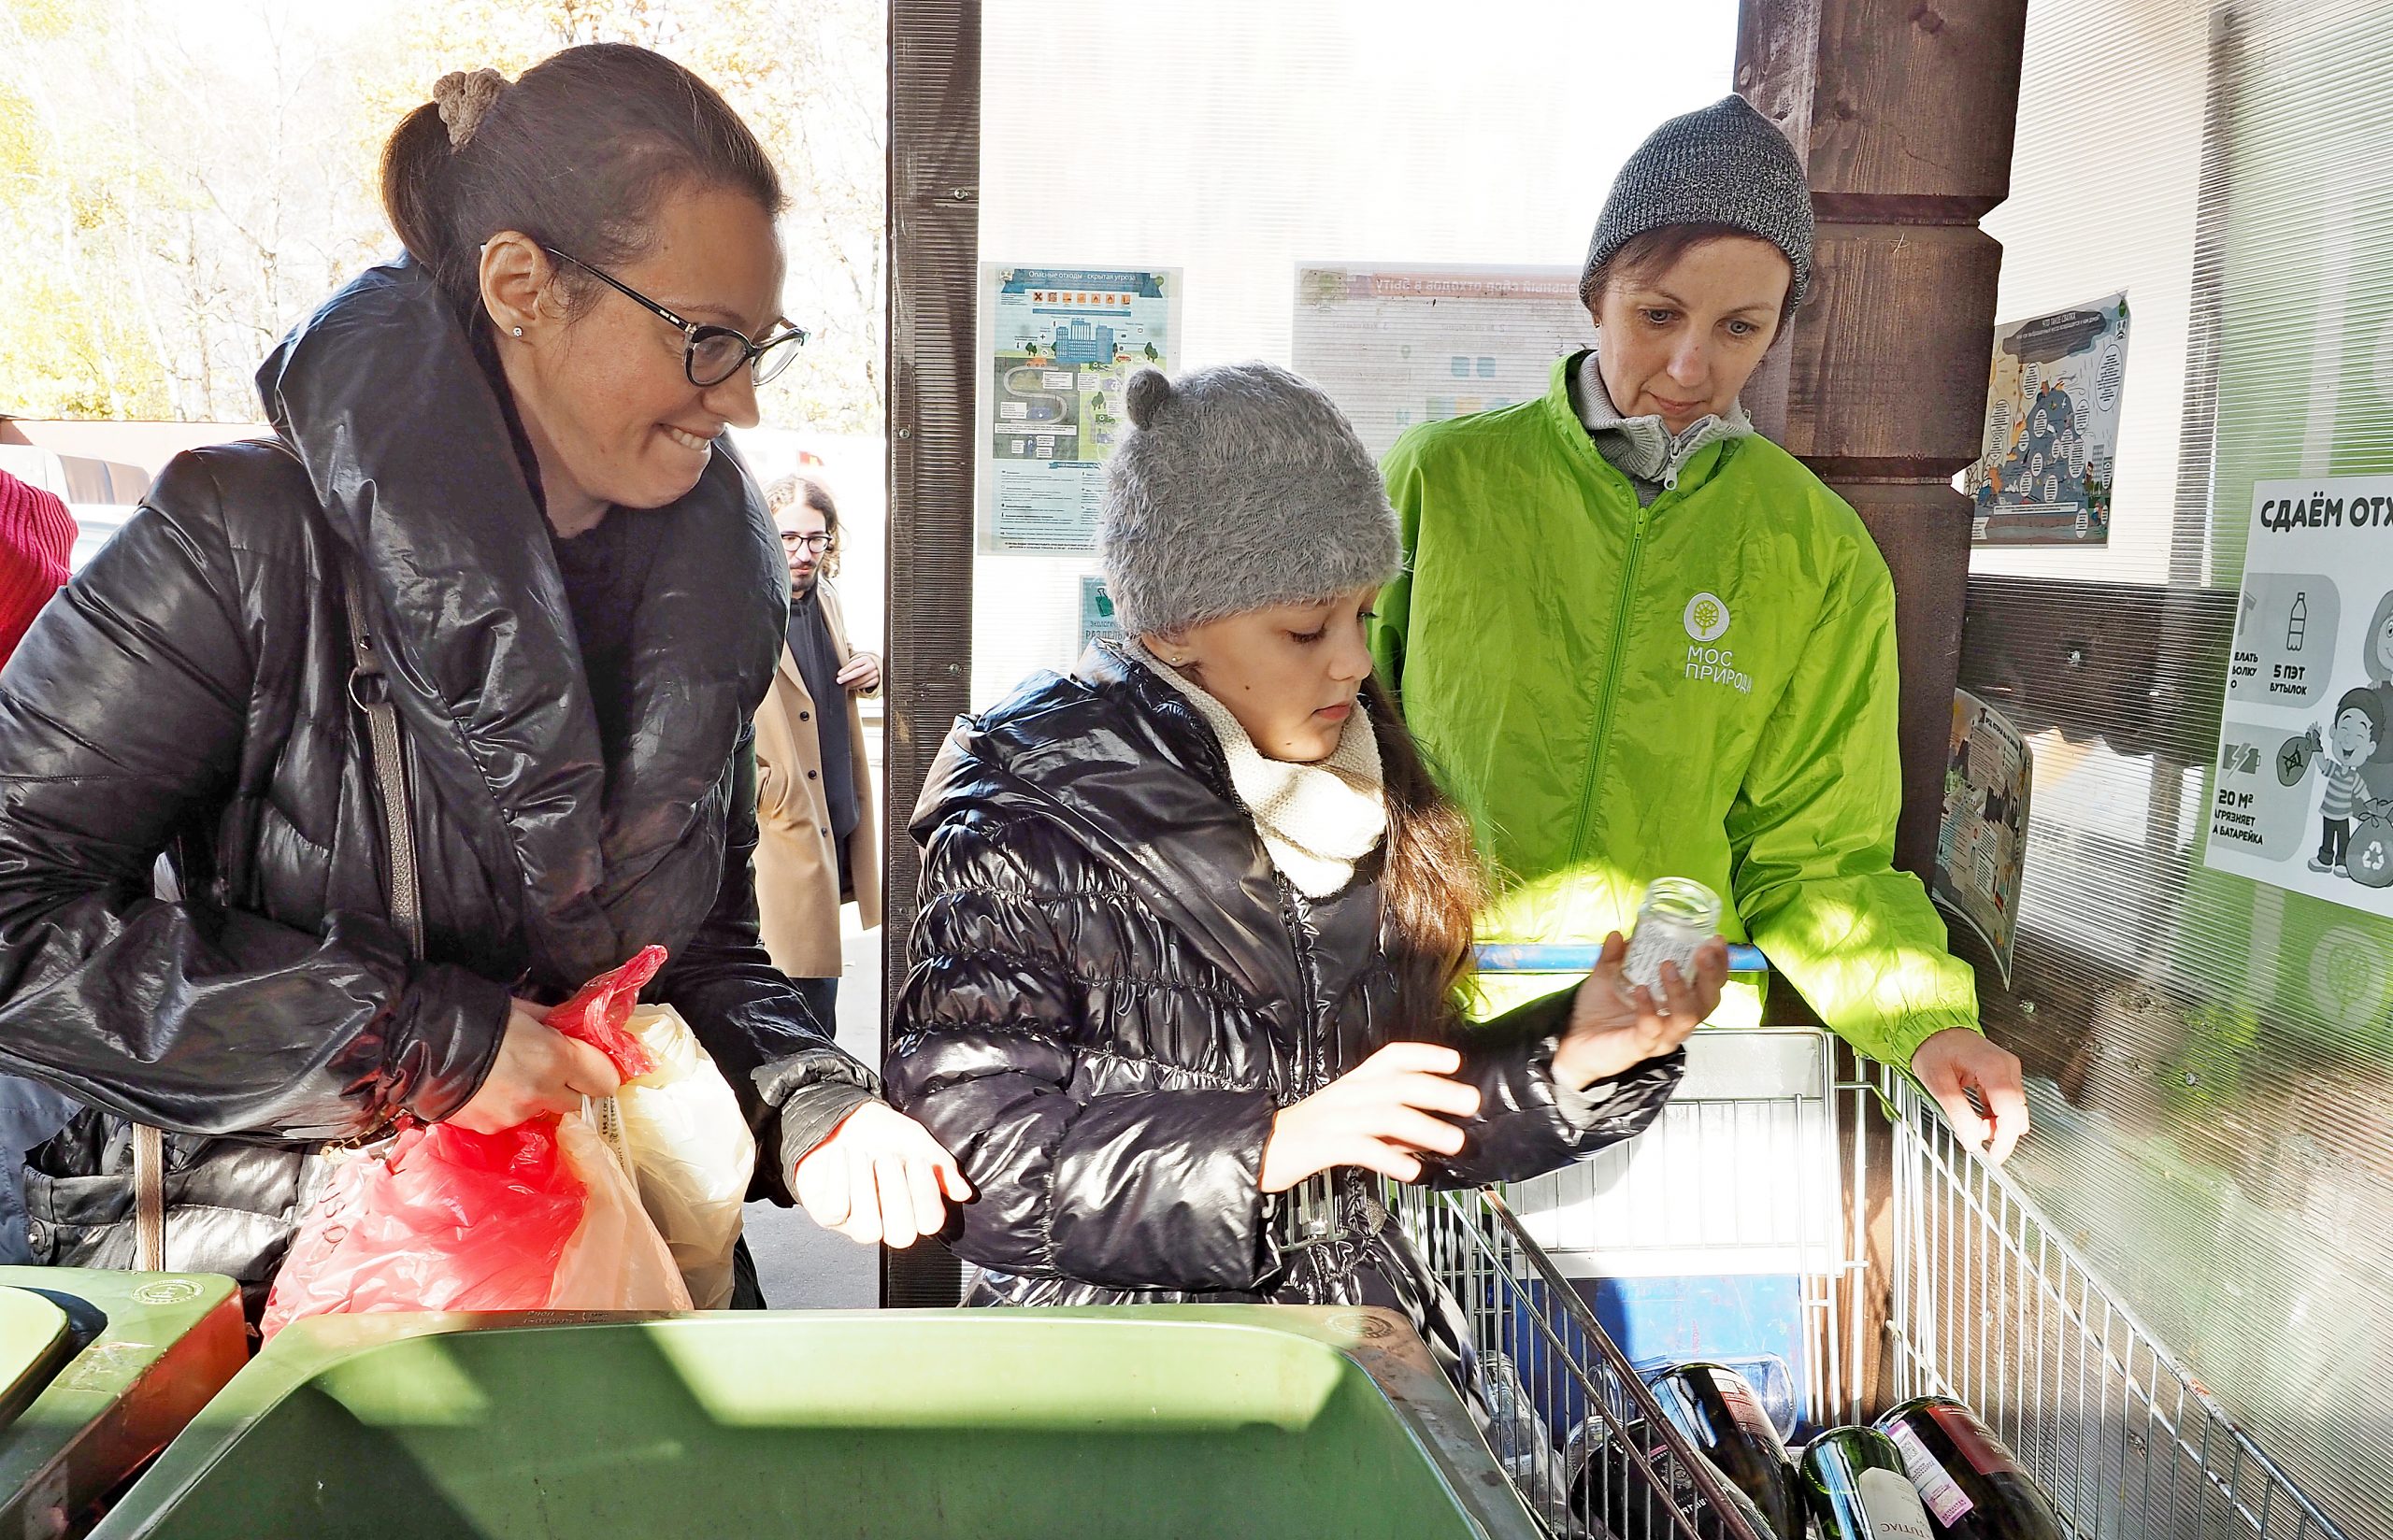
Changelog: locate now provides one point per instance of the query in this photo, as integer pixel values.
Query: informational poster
(1981, 846)
(1398, 345)
(1060, 345)
(1097, 612)
(2304, 794)
(2052, 428)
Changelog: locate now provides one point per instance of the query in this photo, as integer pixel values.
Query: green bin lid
(34, 1340)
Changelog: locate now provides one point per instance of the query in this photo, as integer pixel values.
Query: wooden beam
(1904, 112)
(934, 256)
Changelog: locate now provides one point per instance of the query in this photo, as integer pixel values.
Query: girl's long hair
(1432, 883)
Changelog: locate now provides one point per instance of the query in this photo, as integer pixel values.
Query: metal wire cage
(1992, 1307)
(1739, 1180)
(1619, 1469)
(1988, 1305)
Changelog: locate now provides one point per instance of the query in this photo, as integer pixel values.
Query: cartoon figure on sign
(2353, 741)
(2370, 861)
(1998, 810)
(1956, 797)
(2376, 652)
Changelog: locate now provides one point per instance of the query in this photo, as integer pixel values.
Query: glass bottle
(1679, 916)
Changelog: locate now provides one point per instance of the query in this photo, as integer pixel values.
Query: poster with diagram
(2052, 428)
(1981, 844)
(2303, 799)
(1059, 346)
(1398, 345)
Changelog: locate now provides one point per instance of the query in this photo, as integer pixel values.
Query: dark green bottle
(1718, 1412)
(1611, 1495)
(1854, 1481)
(1968, 1480)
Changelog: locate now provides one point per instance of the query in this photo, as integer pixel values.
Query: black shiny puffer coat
(189, 694)
(1114, 991)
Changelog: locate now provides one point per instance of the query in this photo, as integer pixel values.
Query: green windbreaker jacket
(1703, 688)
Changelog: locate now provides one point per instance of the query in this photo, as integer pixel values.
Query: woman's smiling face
(605, 398)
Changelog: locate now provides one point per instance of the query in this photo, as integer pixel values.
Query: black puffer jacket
(190, 695)
(1114, 991)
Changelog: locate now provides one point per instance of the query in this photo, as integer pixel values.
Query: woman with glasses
(499, 504)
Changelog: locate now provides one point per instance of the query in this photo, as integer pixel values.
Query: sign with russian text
(2303, 796)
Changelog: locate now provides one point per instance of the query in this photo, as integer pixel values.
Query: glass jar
(1678, 916)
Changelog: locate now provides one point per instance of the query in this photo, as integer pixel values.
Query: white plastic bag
(613, 1262)
(679, 1133)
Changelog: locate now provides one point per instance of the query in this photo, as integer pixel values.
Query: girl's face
(1290, 675)
(1679, 344)
(604, 399)
(2383, 642)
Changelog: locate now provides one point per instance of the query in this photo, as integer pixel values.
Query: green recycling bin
(98, 1370)
(1181, 1421)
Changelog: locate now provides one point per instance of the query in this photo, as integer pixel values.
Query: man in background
(816, 847)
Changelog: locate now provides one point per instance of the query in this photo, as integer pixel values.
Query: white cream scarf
(1318, 820)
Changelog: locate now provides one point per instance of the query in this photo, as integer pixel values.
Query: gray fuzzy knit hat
(1723, 164)
(1238, 488)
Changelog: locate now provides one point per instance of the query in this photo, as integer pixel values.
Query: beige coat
(798, 874)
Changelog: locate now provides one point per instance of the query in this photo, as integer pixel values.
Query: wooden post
(1903, 111)
(934, 255)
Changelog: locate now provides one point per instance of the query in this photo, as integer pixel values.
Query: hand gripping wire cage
(1992, 1307)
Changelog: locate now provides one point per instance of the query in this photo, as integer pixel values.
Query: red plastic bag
(538, 1216)
(598, 1011)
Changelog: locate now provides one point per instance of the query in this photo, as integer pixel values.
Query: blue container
(1752, 1324)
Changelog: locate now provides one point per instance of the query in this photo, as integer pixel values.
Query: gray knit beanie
(1238, 488)
(1725, 165)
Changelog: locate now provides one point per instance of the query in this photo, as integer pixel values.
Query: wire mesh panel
(1616, 1467)
(1989, 1306)
(1739, 1180)
(1992, 1307)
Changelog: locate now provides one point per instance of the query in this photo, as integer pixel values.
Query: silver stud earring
(519, 331)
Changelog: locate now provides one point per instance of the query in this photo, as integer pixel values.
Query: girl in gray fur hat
(1192, 916)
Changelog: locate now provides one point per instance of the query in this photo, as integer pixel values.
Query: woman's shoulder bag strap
(371, 689)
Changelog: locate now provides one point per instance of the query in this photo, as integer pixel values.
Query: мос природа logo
(1706, 620)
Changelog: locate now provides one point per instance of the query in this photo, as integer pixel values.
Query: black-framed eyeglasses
(817, 544)
(710, 354)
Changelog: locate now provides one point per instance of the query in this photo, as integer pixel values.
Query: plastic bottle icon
(2299, 622)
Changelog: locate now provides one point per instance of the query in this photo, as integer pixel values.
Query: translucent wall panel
(2212, 1052)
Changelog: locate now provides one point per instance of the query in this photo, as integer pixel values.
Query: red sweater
(36, 538)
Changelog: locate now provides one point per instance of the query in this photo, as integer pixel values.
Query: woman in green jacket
(1642, 641)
